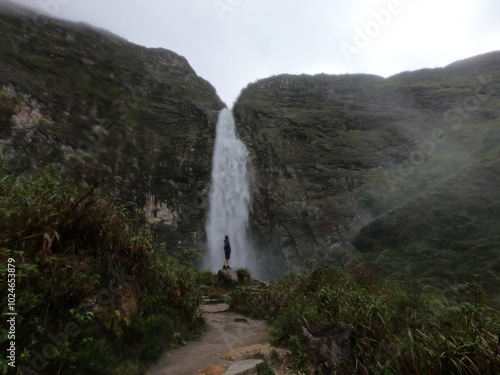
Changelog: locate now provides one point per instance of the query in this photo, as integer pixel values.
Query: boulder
(228, 276)
(332, 343)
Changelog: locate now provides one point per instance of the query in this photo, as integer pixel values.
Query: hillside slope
(329, 154)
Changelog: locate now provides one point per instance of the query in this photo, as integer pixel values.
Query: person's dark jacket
(227, 245)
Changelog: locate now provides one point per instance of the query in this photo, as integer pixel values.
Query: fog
(233, 42)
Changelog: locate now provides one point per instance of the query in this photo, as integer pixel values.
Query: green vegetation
(404, 168)
(94, 294)
(244, 275)
(398, 330)
(447, 232)
(264, 369)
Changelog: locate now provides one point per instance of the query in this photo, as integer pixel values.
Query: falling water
(229, 199)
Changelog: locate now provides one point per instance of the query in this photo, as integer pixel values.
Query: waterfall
(229, 199)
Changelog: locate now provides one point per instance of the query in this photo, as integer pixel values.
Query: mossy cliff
(101, 107)
(389, 165)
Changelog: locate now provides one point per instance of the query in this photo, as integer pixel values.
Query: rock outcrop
(332, 343)
(228, 276)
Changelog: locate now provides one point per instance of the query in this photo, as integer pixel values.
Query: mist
(233, 43)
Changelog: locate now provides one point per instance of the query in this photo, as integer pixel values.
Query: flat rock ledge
(246, 367)
(214, 308)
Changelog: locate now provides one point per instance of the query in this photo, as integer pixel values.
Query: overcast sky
(234, 42)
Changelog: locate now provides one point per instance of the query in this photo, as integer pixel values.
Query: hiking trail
(229, 339)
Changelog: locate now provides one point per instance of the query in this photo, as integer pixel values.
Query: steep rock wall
(137, 120)
(331, 153)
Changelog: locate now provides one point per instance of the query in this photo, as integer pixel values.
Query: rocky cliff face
(313, 140)
(137, 120)
(343, 168)
(329, 154)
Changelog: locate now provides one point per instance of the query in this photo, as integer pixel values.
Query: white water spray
(229, 199)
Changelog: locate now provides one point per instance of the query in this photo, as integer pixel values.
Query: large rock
(332, 343)
(228, 276)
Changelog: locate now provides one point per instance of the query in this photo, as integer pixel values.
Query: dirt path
(226, 332)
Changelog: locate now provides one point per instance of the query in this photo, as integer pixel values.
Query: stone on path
(277, 358)
(212, 370)
(246, 367)
(247, 352)
(215, 308)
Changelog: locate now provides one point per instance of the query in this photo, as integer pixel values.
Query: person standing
(227, 253)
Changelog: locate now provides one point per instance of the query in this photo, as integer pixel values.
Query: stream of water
(229, 200)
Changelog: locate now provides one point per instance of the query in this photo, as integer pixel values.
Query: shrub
(398, 330)
(244, 275)
(264, 369)
(207, 278)
(84, 262)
